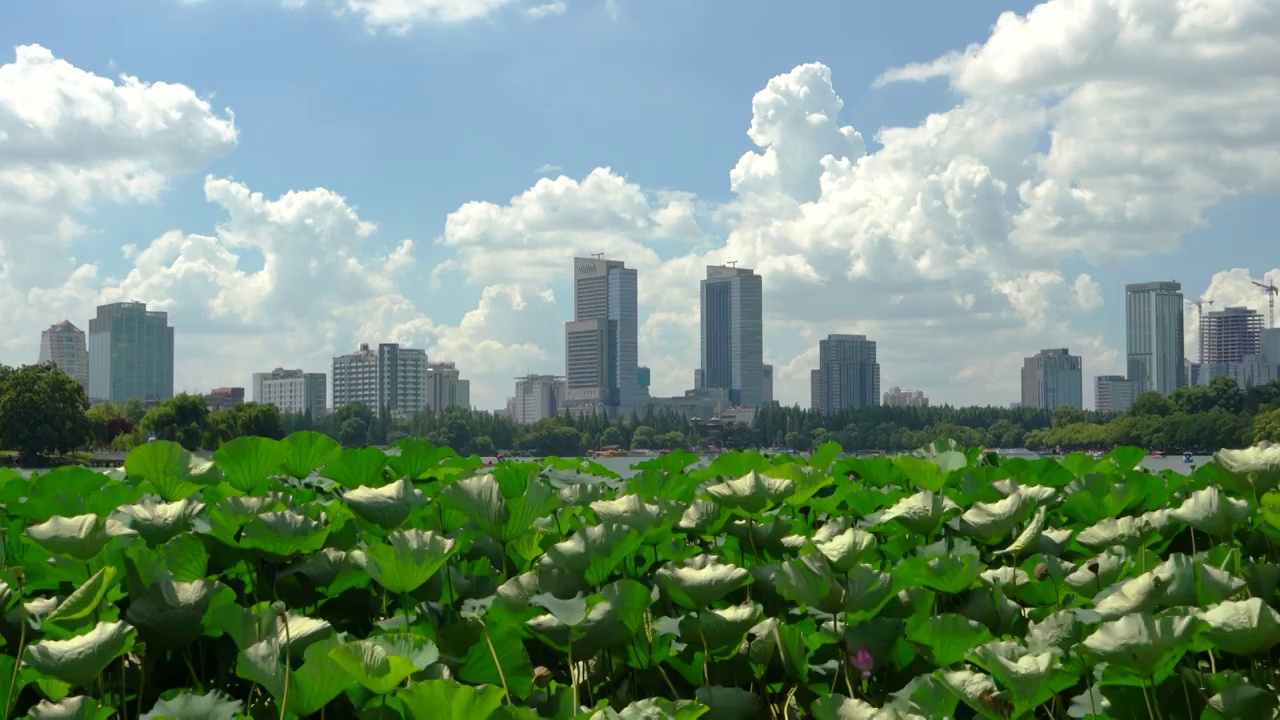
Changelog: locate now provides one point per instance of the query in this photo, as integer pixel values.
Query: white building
(1113, 393)
(64, 346)
(391, 377)
(292, 391)
(1153, 336)
(537, 397)
(897, 397)
(446, 388)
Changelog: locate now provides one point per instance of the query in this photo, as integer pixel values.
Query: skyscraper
(1051, 379)
(1154, 337)
(848, 375)
(292, 391)
(64, 346)
(446, 388)
(130, 354)
(1230, 334)
(733, 334)
(602, 340)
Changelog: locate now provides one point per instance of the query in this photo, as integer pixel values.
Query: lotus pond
(297, 579)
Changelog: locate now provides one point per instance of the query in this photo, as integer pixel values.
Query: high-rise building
(1271, 351)
(1154, 336)
(897, 397)
(1113, 393)
(130, 354)
(64, 345)
(848, 376)
(392, 378)
(537, 397)
(224, 398)
(1051, 379)
(294, 392)
(446, 388)
(1230, 334)
(766, 384)
(602, 340)
(733, 334)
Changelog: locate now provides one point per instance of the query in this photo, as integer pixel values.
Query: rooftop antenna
(598, 256)
(732, 264)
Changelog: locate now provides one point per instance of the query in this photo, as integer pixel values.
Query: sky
(964, 183)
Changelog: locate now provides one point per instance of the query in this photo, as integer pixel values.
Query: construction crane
(1198, 303)
(1271, 292)
(1200, 319)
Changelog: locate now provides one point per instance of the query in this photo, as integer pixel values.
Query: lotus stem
(573, 673)
(288, 667)
(503, 676)
(22, 649)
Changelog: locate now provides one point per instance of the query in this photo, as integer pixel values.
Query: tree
(107, 421)
(1266, 426)
(642, 438)
(245, 419)
(184, 419)
(1065, 415)
(42, 410)
(1150, 403)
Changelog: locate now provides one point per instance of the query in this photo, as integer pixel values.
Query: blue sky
(410, 127)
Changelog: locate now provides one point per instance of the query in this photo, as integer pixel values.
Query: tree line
(44, 412)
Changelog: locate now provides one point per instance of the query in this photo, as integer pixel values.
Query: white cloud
(401, 16)
(546, 10)
(1229, 288)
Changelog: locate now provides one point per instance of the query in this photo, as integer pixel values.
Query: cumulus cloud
(1229, 288)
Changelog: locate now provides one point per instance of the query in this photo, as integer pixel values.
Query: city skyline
(977, 189)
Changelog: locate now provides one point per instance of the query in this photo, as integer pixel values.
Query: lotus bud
(863, 661)
(1042, 571)
(541, 676)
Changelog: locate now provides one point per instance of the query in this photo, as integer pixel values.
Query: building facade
(64, 345)
(537, 397)
(897, 397)
(1229, 335)
(1154, 337)
(130, 354)
(1051, 379)
(602, 340)
(766, 384)
(392, 378)
(848, 376)
(733, 334)
(294, 392)
(224, 398)
(446, 388)
(1113, 393)
(1271, 351)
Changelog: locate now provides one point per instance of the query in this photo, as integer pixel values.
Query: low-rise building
(1113, 393)
(294, 392)
(224, 398)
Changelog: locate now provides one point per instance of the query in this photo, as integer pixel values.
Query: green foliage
(42, 411)
(293, 578)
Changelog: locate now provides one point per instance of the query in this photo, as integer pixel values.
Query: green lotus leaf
(381, 663)
(248, 462)
(81, 659)
(449, 700)
(189, 706)
(69, 490)
(387, 506)
(866, 591)
(656, 709)
(281, 535)
(170, 614)
(1242, 627)
(751, 494)
(924, 696)
(1059, 631)
(407, 560)
(1090, 704)
(1029, 679)
(948, 637)
(703, 518)
(82, 537)
(1213, 513)
(1239, 699)
(1145, 646)
(728, 702)
(1256, 469)
(922, 513)
(158, 523)
(771, 639)
(503, 518)
(308, 450)
(1127, 532)
(700, 581)
(569, 612)
(1104, 570)
(839, 707)
(79, 707)
(1052, 541)
(311, 686)
(85, 600)
(633, 512)
(992, 521)
(721, 631)
(266, 621)
(357, 468)
(586, 560)
(171, 470)
(978, 691)
(937, 568)
(843, 547)
(614, 617)
(1177, 581)
(1097, 496)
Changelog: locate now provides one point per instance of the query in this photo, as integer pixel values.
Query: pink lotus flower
(863, 661)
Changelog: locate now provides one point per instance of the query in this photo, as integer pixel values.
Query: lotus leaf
(159, 523)
(922, 513)
(381, 663)
(171, 470)
(408, 560)
(188, 706)
(1242, 627)
(310, 686)
(388, 506)
(752, 493)
(81, 537)
(81, 659)
(1147, 647)
(447, 700)
(79, 707)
